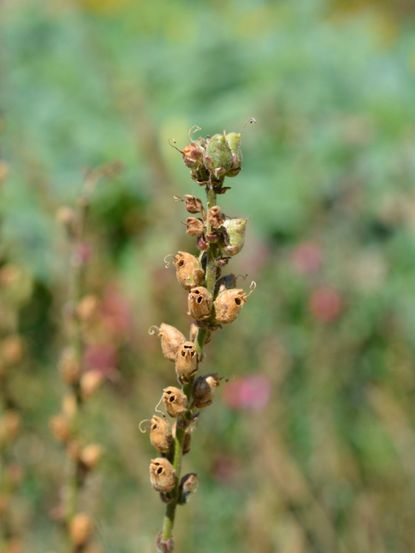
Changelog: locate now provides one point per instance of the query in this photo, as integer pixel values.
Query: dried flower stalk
(212, 301)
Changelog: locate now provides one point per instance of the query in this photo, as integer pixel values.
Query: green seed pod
(175, 401)
(199, 302)
(228, 305)
(218, 156)
(186, 362)
(204, 388)
(162, 475)
(160, 434)
(235, 229)
(189, 273)
(233, 140)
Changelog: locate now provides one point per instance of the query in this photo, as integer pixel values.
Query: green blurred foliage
(327, 464)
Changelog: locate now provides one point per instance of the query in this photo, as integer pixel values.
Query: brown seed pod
(228, 304)
(194, 227)
(193, 204)
(174, 400)
(90, 455)
(10, 424)
(90, 382)
(80, 529)
(87, 308)
(186, 362)
(215, 217)
(11, 349)
(60, 427)
(69, 366)
(170, 339)
(162, 475)
(204, 388)
(189, 273)
(199, 302)
(160, 434)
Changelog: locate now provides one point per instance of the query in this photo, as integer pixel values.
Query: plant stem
(168, 521)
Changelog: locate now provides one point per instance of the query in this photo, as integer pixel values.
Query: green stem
(168, 521)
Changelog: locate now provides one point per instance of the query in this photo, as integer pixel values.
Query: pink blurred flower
(102, 358)
(225, 469)
(248, 392)
(326, 304)
(82, 253)
(307, 258)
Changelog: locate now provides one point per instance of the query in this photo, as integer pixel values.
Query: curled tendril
(156, 408)
(192, 130)
(167, 260)
(153, 329)
(140, 425)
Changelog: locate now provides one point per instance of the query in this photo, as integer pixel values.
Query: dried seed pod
(193, 204)
(218, 156)
(199, 302)
(69, 366)
(189, 273)
(174, 400)
(80, 529)
(204, 388)
(235, 229)
(10, 424)
(233, 140)
(90, 382)
(186, 362)
(87, 308)
(170, 339)
(90, 455)
(215, 217)
(193, 153)
(160, 434)
(60, 427)
(228, 304)
(194, 227)
(11, 349)
(162, 475)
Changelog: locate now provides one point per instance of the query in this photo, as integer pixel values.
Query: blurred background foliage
(310, 446)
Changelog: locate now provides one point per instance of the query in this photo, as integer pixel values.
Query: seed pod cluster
(213, 300)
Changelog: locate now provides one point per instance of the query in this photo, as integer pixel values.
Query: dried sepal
(228, 305)
(215, 217)
(235, 235)
(203, 389)
(175, 401)
(170, 340)
(233, 139)
(189, 272)
(188, 485)
(191, 203)
(194, 330)
(194, 227)
(186, 362)
(160, 434)
(162, 475)
(199, 302)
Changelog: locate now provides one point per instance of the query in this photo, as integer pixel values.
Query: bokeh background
(310, 447)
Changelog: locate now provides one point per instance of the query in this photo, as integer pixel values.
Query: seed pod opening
(189, 273)
(162, 475)
(204, 388)
(235, 235)
(186, 362)
(160, 434)
(194, 227)
(174, 401)
(228, 305)
(199, 302)
(170, 340)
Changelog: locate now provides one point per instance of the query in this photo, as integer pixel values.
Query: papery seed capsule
(175, 401)
(228, 304)
(193, 204)
(218, 156)
(11, 349)
(160, 434)
(189, 273)
(87, 308)
(233, 140)
(170, 339)
(193, 153)
(235, 228)
(215, 217)
(199, 302)
(186, 362)
(162, 475)
(90, 382)
(194, 227)
(60, 427)
(204, 388)
(10, 424)
(80, 529)
(69, 366)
